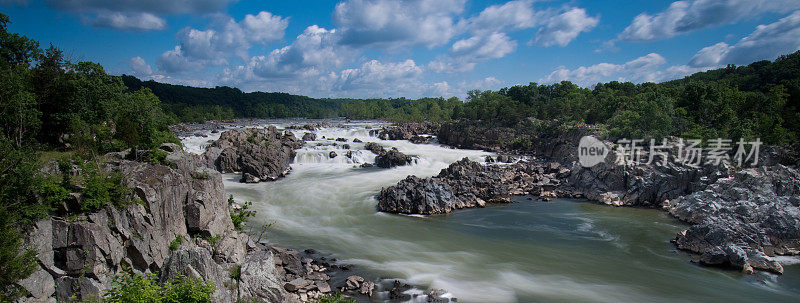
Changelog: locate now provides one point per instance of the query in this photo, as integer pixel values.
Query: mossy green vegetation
(241, 216)
(145, 288)
(335, 298)
(176, 243)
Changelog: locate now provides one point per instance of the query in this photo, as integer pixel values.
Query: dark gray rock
(309, 137)
(416, 139)
(78, 257)
(463, 184)
(296, 284)
(264, 153)
(392, 158)
(406, 131)
(753, 214)
(374, 147)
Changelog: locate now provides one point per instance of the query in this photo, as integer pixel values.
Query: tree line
(760, 100)
(757, 100)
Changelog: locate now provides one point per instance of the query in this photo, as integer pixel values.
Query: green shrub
(241, 217)
(156, 156)
(65, 167)
(200, 175)
(176, 243)
(135, 288)
(335, 298)
(186, 290)
(252, 138)
(211, 239)
(520, 143)
(16, 263)
(102, 188)
(236, 272)
(52, 193)
(127, 287)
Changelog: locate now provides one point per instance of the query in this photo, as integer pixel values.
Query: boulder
(309, 137)
(296, 284)
(375, 148)
(406, 131)
(416, 139)
(263, 153)
(392, 158)
(463, 184)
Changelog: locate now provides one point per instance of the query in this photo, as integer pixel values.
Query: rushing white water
(527, 251)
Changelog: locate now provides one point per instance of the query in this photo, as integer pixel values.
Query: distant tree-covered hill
(758, 100)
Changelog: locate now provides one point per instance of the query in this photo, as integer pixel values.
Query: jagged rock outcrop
(465, 184)
(744, 219)
(260, 154)
(407, 131)
(391, 158)
(80, 254)
(375, 148)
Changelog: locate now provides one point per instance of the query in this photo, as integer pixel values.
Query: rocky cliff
(79, 254)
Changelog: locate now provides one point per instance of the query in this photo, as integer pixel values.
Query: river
(526, 251)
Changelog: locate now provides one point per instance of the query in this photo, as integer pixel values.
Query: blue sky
(392, 48)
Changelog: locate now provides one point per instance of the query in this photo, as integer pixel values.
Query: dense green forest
(74, 112)
(194, 104)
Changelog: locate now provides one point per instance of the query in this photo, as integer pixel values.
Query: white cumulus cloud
(465, 54)
(563, 28)
(392, 23)
(766, 42)
(685, 16)
(139, 67)
(135, 14)
(214, 46)
(642, 69)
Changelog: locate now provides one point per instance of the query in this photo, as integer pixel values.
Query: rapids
(527, 251)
